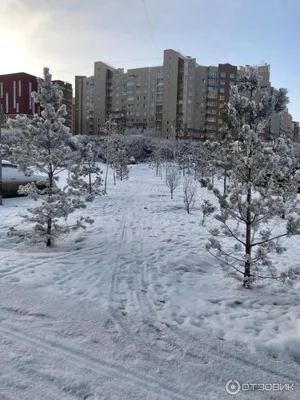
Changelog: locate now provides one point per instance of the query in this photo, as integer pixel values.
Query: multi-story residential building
(15, 95)
(84, 105)
(180, 93)
(16, 98)
(282, 123)
(296, 131)
(67, 99)
(73, 116)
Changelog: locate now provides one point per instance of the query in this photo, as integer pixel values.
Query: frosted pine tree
(109, 145)
(43, 143)
(90, 181)
(253, 200)
(120, 164)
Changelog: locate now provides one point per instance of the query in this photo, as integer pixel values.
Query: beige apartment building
(67, 90)
(84, 105)
(283, 123)
(179, 93)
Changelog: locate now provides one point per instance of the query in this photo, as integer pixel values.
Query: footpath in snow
(135, 308)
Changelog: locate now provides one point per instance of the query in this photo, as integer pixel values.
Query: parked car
(132, 160)
(12, 179)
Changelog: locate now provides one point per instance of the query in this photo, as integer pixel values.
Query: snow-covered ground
(135, 308)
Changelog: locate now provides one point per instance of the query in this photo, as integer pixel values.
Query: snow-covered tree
(90, 181)
(253, 198)
(120, 164)
(207, 210)
(172, 179)
(43, 143)
(157, 156)
(189, 193)
(109, 145)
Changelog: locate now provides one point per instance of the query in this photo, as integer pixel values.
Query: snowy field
(134, 308)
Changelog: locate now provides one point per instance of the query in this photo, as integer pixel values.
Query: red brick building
(15, 95)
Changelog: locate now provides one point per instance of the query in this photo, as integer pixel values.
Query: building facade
(282, 124)
(67, 99)
(180, 93)
(15, 95)
(84, 105)
(296, 131)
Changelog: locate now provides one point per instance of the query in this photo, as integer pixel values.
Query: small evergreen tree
(253, 198)
(120, 164)
(44, 144)
(90, 181)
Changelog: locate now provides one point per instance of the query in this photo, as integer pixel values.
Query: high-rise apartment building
(84, 105)
(282, 123)
(67, 99)
(179, 93)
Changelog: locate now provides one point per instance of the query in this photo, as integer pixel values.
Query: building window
(211, 119)
(1, 89)
(212, 74)
(232, 76)
(222, 75)
(222, 97)
(17, 109)
(189, 101)
(203, 80)
(222, 82)
(220, 121)
(20, 88)
(190, 93)
(222, 90)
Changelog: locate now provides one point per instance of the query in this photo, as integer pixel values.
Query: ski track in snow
(92, 363)
(112, 268)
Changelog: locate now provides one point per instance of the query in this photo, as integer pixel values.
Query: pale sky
(69, 35)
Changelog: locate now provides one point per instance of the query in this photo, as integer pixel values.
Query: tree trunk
(225, 182)
(106, 177)
(114, 177)
(247, 270)
(284, 201)
(213, 179)
(157, 168)
(49, 231)
(172, 194)
(49, 220)
(90, 180)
